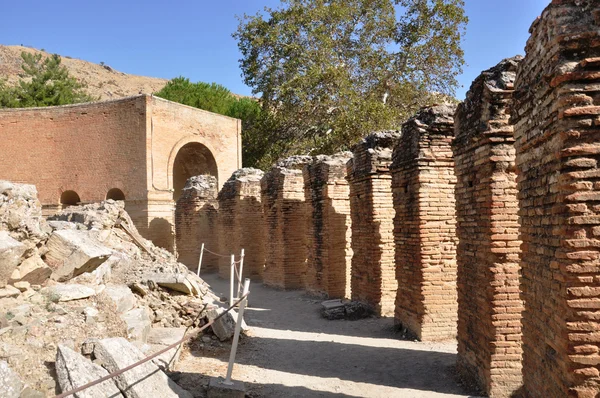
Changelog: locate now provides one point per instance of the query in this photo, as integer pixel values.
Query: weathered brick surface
(282, 195)
(242, 224)
(489, 306)
(556, 114)
(328, 199)
(372, 212)
(424, 226)
(196, 221)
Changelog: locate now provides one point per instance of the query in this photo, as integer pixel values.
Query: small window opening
(115, 194)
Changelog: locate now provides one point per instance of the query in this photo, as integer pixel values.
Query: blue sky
(193, 38)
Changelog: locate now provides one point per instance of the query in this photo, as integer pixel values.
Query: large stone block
(11, 251)
(73, 252)
(33, 270)
(143, 381)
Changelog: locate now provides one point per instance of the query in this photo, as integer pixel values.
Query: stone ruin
(196, 222)
(372, 210)
(242, 223)
(285, 210)
(329, 251)
(424, 226)
(489, 305)
(556, 117)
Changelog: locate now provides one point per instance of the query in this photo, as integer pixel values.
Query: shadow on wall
(160, 231)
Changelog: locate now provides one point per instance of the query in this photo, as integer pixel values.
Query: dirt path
(292, 352)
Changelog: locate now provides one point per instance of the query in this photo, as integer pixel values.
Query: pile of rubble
(85, 281)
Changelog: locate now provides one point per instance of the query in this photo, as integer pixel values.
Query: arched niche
(69, 198)
(115, 194)
(191, 160)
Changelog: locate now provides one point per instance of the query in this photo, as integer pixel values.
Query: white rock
(74, 370)
(33, 270)
(9, 291)
(10, 384)
(138, 323)
(143, 381)
(73, 252)
(165, 336)
(68, 292)
(122, 296)
(11, 251)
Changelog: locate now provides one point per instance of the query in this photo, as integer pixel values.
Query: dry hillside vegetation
(101, 80)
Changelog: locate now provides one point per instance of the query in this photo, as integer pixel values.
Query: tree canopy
(329, 71)
(43, 82)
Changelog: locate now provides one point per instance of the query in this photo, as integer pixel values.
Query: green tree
(43, 82)
(329, 71)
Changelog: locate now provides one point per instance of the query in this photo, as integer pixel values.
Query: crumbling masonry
(196, 219)
(424, 226)
(330, 253)
(489, 306)
(282, 193)
(242, 223)
(372, 212)
(557, 131)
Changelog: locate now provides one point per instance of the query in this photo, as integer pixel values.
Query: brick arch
(192, 143)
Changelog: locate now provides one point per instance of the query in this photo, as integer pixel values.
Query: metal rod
(236, 336)
(200, 261)
(240, 275)
(231, 279)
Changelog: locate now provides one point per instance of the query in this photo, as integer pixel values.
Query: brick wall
(489, 306)
(424, 227)
(328, 199)
(282, 195)
(196, 220)
(372, 212)
(242, 222)
(556, 115)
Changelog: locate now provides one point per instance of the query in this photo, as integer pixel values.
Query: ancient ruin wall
(328, 199)
(556, 114)
(489, 306)
(242, 223)
(372, 213)
(196, 221)
(285, 210)
(424, 227)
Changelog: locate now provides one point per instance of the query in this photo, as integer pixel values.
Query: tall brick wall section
(196, 222)
(556, 115)
(242, 224)
(489, 305)
(285, 210)
(372, 212)
(424, 227)
(328, 199)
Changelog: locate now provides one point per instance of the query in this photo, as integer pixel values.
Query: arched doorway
(69, 198)
(192, 159)
(115, 194)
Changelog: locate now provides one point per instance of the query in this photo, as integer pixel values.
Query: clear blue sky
(192, 38)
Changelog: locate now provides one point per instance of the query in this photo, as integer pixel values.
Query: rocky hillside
(102, 80)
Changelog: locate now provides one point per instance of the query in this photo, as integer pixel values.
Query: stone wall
(196, 220)
(372, 213)
(330, 253)
(424, 227)
(556, 114)
(285, 211)
(489, 306)
(242, 222)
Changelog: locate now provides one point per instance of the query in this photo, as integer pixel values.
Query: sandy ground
(291, 351)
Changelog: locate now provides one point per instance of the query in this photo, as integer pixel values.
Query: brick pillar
(556, 115)
(241, 208)
(196, 222)
(372, 213)
(489, 306)
(282, 192)
(424, 227)
(328, 199)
